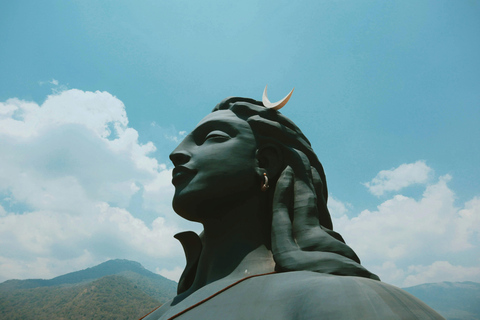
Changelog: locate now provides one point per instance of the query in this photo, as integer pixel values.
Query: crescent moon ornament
(277, 105)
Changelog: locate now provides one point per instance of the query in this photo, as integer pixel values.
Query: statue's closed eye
(217, 135)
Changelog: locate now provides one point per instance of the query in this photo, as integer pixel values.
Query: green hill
(116, 289)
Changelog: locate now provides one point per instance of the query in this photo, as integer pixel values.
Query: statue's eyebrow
(210, 125)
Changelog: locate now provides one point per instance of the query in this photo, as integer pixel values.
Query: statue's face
(214, 167)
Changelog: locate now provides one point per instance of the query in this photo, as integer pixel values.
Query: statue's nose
(179, 157)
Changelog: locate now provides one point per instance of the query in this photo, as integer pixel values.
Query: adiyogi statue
(268, 250)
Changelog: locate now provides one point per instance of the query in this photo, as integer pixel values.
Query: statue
(268, 251)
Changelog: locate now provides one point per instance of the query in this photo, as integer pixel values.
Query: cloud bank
(408, 241)
(71, 171)
(399, 178)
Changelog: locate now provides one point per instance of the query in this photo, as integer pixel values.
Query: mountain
(453, 300)
(116, 289)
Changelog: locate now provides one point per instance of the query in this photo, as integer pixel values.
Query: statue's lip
(180, 173)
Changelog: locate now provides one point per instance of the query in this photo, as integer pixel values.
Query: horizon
(95, 96)
(155, 273)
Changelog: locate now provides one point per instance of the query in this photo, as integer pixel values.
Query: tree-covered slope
(110, 297)
(116, 289)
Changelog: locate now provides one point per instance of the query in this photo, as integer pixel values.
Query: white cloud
(68, 171)
(173, 274)
(337, 208)
(440, 271)
(405, 234)
(389, 272)
(45, 268)
(92, 110)
(159, 192)
(2, 211)
(52, 82)
(169, 133)
(175, 137)
(398, 178)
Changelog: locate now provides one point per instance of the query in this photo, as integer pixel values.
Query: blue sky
(95, 95)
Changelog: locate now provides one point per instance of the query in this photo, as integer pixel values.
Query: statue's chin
(201, 204)
(184, 210)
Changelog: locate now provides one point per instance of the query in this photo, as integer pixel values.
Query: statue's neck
(234, 246)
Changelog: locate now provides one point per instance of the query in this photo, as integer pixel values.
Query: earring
(265, 185)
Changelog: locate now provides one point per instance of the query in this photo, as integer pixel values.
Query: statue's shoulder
(346, 297)
(298, 295)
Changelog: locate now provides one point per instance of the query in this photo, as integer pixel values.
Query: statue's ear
(270, 159)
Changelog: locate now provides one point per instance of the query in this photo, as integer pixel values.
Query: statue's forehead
(224, 116)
